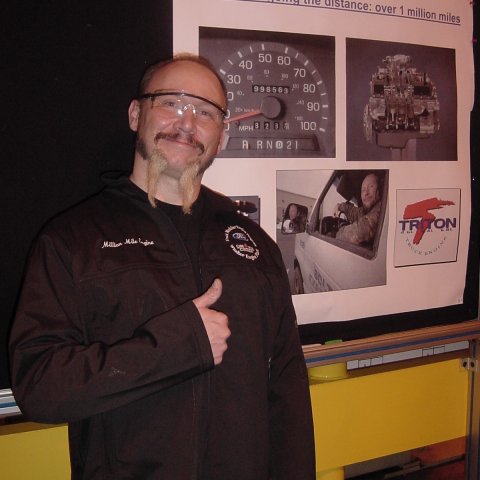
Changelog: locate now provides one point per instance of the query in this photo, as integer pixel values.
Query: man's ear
(134, 114)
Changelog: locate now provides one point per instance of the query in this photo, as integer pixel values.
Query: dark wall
(68, 71)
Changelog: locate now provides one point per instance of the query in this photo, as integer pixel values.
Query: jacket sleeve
(57, 377)
(290, 412)
(363, 229)
(352, 212)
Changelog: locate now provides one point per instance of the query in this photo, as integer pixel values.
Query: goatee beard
(158, 163)
(187, 187)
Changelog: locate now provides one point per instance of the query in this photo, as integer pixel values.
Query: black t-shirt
(189, 227)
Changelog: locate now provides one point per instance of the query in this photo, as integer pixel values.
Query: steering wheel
(329, 225)
(342, 220)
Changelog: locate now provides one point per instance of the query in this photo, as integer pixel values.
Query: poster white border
(427, 287)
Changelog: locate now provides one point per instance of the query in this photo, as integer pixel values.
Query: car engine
(403, 104)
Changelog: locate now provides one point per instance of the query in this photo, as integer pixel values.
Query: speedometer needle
(243, 115)
(270, 107)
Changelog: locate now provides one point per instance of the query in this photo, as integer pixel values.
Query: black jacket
(106, 338)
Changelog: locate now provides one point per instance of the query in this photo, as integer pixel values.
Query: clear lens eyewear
(172, 105)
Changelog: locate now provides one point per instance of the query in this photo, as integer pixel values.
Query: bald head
(182, 57)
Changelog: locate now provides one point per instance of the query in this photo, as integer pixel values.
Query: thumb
(210, 296)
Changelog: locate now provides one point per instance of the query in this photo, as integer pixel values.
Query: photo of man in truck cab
(344, 242)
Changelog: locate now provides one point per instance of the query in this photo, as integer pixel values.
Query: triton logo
(428, 226)
(418, 216)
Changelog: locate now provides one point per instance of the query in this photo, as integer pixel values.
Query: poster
(350, 122)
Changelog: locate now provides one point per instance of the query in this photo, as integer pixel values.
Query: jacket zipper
(206, 390)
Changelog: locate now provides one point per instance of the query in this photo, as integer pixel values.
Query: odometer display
(270, 89)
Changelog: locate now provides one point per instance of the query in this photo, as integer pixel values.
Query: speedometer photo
(280, 92)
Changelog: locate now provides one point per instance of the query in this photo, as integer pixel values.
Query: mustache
(189, 139)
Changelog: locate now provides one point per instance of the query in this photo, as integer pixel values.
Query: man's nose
(186, 121)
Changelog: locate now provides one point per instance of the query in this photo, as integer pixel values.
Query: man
(363, 220)
(298, 220)
(157, 321)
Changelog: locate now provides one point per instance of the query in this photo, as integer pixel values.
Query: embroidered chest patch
(241, 243)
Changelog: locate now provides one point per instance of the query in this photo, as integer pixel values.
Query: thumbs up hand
(216, 323)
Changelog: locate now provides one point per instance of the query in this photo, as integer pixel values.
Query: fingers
(335, 210)
(210, 296)
(216, 323)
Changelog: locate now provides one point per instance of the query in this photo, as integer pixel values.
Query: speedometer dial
(278, 103)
